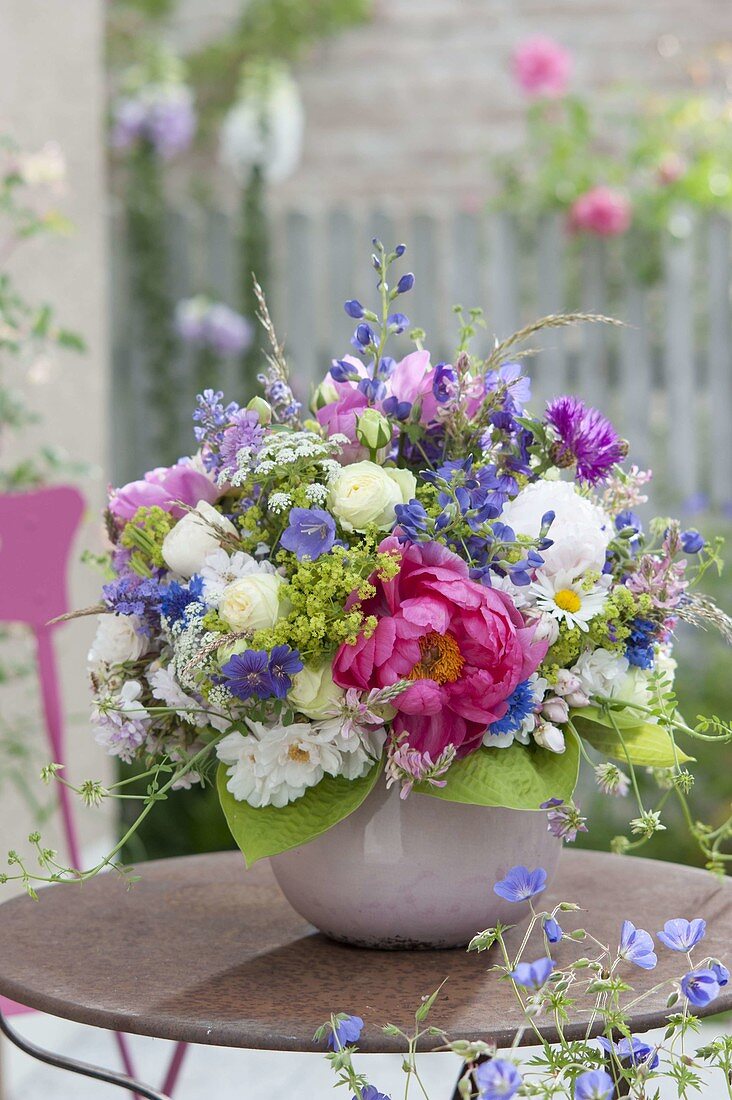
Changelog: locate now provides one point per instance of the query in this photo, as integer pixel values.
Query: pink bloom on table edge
(603, 211)
(465, 646)
(542, 67)
(166, 487)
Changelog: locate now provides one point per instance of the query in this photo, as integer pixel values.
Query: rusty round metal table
(202, 951)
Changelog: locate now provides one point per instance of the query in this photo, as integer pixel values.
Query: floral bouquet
(421, 584)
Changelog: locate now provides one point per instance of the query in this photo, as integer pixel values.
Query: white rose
(117, 640)
(313, 692)
(364, 493)
(253, 602)
(580, 532)
(187, 545)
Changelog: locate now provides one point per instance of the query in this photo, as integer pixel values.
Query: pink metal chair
(37, 531)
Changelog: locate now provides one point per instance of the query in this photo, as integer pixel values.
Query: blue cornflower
(520, 884)
(533, 975)
(405, 283)
(521, 704)
(596, 1084)
(247, 674)
(354, 309)
(721, 973)
(632, 1051)
(639, 647)
(284, 662)
(682, 935)
(636, 946)
(347, 1030)
(692, 542)
(177, 598)
(412, 519)
(310, 533)
(497, 1080)
(552, 930)
(700, 987)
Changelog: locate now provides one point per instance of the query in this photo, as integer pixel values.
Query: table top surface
(203, 951)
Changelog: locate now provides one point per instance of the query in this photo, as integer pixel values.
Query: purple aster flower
(636, 946)
(533, 975)
(692, 542)
(700, 987)
(682, 935)
(497, 1080)
(552, 930)
(347, 1030)
(721, 973)
(284, 662)
(632, 1051)
(596, 1084)
(586, 438)
(520, 884)
(243, 436)
(247, 674)
(310, 533)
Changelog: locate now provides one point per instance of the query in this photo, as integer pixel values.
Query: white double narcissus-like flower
(600, 671)
(364, 493)
(568, 599)
(117, 640)
(196, 535)
(221, 569)
(580, 533)
(274, 765)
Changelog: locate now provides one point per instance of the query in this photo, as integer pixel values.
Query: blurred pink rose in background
(542, 67)
(602, 211)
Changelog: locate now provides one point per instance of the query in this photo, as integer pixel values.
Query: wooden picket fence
(665, 377)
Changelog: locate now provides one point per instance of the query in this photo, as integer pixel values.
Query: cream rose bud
(549, 737)
(364, 493)
(117, 640)
(313, 692)
(373, 430)
(253, 602)
(187, 545)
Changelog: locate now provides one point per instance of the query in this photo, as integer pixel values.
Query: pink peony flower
(542, 67)
(465, 646)
(602, 211)
(166, 487)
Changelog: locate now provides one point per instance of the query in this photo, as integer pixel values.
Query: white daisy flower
(566, 598)
(221, 569)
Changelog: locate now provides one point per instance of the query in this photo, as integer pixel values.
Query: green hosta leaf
(266, 831)
(518, 778)
(643, 743)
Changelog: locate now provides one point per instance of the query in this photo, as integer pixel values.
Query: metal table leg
(81, 1068)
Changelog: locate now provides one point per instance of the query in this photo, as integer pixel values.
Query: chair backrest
(37, 530)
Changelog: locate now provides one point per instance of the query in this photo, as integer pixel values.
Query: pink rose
(465, 646)
(602, 211)
(166, 487)
(542, 67)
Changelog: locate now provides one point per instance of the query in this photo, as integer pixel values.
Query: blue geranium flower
(700, 987)
(721, 973)
(533, 975)
(596, 1084)
(682, 935)
(284, 662)
(370, 1092)
(497, 1080)
(632, 1051)
(692, 542)
(552, 930)
(347, 1031)
(310, 533)
(520, 884)
(247, 674)
(636, 946)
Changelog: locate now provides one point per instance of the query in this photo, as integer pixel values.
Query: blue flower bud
(341, 371)
(405, 283)
(376, 262)
(364, 335)
(692, 541)
(547, 520)
(354, 308)
(400, 249)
